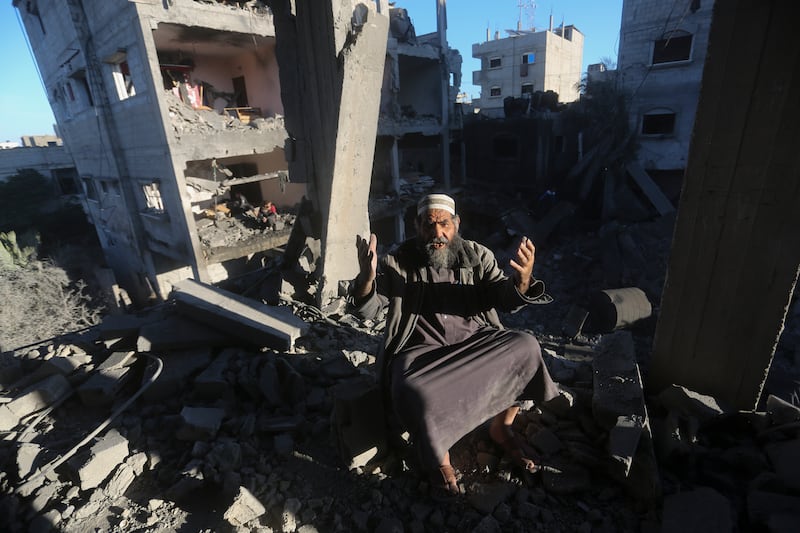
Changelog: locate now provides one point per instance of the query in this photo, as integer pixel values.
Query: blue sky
(24, 109)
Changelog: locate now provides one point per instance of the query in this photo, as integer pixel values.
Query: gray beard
(443, 257)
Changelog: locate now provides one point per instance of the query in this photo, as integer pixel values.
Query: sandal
(519, 452)
(443, 483)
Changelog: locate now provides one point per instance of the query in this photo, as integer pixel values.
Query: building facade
(527, 62)
(172, 111)
(660, 65)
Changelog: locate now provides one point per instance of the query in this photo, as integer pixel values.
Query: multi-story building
(419, 127)
(660, 66)
(526, 62)
(172, 110)
(168, 109)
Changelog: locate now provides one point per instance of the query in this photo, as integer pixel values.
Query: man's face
(436, 230)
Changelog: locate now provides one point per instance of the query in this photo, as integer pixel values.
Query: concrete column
(736, 248)
(331, 57)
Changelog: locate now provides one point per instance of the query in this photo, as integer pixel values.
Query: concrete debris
(255, 324)
(104, 456)
(238, 436)
(245, 508)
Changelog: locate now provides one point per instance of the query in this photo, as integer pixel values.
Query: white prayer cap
(436, 201)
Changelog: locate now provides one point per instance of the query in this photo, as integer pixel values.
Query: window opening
(88, 188)
(494, 91)
(658, 123)
(495, 62)
(672, 49)
(240, 92)
(121, 73)
(152, 196)
(527, 89)
(529, 58)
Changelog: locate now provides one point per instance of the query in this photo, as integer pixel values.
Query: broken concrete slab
(617, 380)
(781, 411)
(178, 369)
(27, 455)
(690, 404)
(245, 507)
(211, 382)
(247, 320)
(200, 423)
(179, 333)
(104, 457)
(623, 441)
(38, 396)
(124, 325)
(102, 387)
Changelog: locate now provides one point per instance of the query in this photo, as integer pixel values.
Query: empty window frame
(495, 62)
(152, 197)
(121, 74)
(658, 123)
(527, 89)
(529, 58)
(672, 48)
(89, 189)
(82, 88)
(495, 91)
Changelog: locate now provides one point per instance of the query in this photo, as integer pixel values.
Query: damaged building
(170, 112)
(419, 141)
(660, 65)
(174, 117)
(527, 62)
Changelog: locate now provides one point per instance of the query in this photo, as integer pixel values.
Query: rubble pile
(187, 120)
(176, 420)
(234, 230)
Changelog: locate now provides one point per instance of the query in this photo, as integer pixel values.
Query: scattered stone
(245, 507)
(200, 423)
(104, 456)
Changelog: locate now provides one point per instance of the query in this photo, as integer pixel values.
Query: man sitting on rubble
(447, 364)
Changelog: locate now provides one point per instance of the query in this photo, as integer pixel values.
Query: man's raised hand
(367, 265)
(523, 266)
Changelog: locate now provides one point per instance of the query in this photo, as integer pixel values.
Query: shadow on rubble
(156, 419)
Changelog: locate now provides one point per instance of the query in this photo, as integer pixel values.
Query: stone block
(212, 382)
(106, 455)
(120, 481)
(27, 454)
(617, 381)
(358, 422)
(179, 367)
(200, 423)
(245, 319)
(117, 360)
(40, 395)
(245, 507)
(101, 388)
(623, 441)
(8, 420)
(179, 333)
(689, 403)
